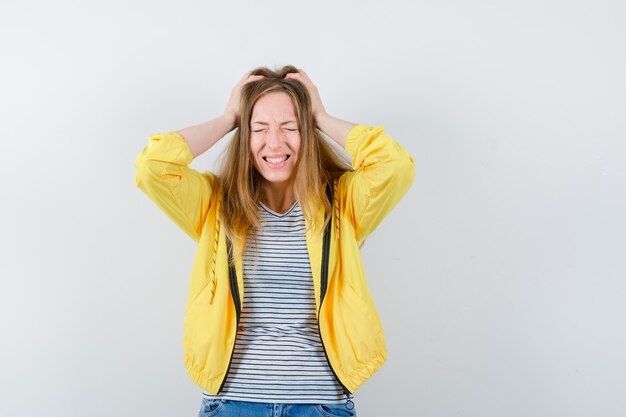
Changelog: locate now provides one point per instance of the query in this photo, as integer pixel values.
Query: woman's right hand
(203, 136)
(232, 110)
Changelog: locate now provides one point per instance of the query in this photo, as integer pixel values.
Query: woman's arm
(203, 136)
(383, 173)
(334, 128)
(383, 170)
(163, 171)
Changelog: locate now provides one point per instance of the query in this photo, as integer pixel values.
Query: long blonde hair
(240, 182)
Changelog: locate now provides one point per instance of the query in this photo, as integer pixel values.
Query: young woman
(284, 220)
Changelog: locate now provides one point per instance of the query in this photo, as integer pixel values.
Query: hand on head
(232, 107)
(234, 101)
(316, 101)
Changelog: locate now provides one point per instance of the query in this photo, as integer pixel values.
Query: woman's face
(274, 137)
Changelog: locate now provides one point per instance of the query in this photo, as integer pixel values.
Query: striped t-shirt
(278, 355)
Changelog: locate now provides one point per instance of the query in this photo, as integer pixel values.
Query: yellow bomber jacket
(349, 324)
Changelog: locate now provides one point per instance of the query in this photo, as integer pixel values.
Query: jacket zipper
(323, 287)
(324, 283)
(234, 291)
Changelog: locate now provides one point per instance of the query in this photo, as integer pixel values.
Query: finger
(245, 76)
(253, 78)
(301, 74)
(298, 77)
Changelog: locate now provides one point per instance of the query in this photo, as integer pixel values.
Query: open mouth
(277, 160)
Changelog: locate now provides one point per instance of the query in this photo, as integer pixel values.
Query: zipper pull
(349, 402)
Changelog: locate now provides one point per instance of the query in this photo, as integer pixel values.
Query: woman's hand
(317, 107)
(203, 136)
(334, 128)
(232, 110)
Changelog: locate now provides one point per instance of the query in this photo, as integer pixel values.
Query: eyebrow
(267, 124)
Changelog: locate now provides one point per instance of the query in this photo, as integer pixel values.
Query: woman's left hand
(317, 108)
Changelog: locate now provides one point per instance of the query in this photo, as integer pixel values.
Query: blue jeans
(231, 408)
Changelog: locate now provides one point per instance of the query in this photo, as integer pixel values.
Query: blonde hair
(318, 163)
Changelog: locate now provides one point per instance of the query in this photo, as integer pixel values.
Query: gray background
(499, 278)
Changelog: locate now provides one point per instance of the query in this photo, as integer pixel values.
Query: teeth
(276, 160)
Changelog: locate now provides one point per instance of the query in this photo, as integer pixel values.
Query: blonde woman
(279, 320)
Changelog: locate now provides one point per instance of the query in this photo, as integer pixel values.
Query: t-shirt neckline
(273, 213)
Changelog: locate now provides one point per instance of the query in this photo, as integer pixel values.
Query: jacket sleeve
(383, 173)
(181, 192)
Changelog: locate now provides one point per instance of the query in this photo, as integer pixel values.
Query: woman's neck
(278, 197)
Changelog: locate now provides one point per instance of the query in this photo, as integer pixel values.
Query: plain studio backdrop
(500, 278)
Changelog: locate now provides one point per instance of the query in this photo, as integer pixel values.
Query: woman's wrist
(230, 120)
(334, 128)
(319, 116)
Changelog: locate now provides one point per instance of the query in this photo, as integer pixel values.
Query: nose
(274, 139)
